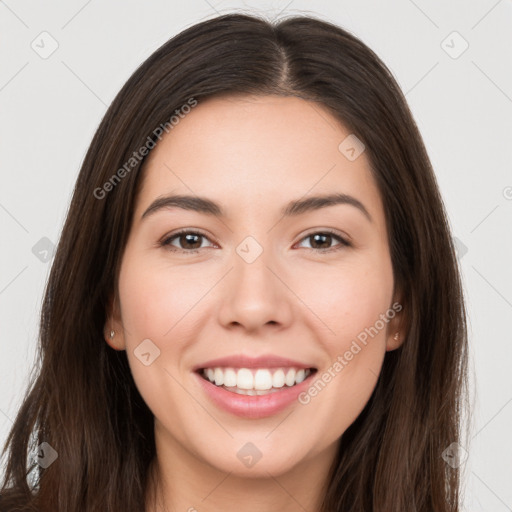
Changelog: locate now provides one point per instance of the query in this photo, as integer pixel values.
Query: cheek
(348, 299)
(154, 302)
(154, 305)
(156, 299)
(352, 303)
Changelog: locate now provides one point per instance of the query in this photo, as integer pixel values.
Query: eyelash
(166, 242)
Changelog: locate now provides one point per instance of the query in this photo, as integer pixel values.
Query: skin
(253, 155)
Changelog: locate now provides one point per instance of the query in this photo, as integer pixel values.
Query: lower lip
(257, 406)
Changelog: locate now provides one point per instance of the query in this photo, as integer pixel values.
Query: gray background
(462, 102)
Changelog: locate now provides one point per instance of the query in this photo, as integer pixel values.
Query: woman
(307, 351)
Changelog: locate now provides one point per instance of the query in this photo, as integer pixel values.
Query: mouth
(255, 381)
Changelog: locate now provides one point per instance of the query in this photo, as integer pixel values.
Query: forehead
(256, 151)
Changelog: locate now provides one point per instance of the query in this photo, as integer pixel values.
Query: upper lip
(243, 361)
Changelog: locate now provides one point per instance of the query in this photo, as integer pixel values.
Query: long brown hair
(83, 401)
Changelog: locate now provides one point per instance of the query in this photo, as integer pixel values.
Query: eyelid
(165, 241)
(344, 240)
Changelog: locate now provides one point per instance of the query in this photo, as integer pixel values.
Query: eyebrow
(292, 209)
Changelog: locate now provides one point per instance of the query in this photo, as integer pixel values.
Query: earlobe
(113, 327)
(394, 341)
(114, 339)
(397, 331)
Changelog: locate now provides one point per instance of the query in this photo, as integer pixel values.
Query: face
(288, 309)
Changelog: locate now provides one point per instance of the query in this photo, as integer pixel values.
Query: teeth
(260, 381)
(244, 379)
(278, 379)
(219, 377)
(290, 377)
(301, 375)
(230, 378)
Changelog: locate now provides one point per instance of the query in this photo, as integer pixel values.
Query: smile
(253, 387)
(255, 381)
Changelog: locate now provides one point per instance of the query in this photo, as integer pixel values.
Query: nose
(254, 294)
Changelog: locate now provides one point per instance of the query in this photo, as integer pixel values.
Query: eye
(190, 241)
(325, 238)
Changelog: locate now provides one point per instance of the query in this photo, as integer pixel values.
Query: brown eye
(321, 241)
(189, 241)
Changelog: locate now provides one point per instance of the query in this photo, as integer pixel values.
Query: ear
(396, 329)
(113, 329)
